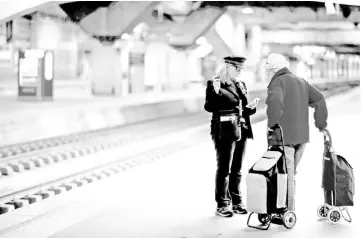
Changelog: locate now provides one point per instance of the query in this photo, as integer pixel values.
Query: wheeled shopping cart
(267, 187)
(338, 183)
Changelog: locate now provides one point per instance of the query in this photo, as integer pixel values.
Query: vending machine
(35, 75)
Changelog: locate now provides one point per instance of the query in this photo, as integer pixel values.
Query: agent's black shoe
(224, 212)
(239, 209)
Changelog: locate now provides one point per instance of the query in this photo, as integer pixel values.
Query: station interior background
(130, 48)
(127, 89)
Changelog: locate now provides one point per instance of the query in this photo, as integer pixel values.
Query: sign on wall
(35, 74)
(28, 76)
(136, 58)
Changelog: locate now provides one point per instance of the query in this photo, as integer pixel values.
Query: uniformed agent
(227, 100)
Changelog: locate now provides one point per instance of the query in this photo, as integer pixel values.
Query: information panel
(35, 74)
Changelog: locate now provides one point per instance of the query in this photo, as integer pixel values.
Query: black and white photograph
(180, 119)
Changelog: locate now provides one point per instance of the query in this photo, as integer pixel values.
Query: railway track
(114, 150)
(39, 145)
(44, 183)
(106, 139)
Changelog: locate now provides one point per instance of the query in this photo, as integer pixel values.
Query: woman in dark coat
(227, 100)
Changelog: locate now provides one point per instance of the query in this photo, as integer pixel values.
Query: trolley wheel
(334, 215)
(322, 211)
(289, 219)
(264, 218)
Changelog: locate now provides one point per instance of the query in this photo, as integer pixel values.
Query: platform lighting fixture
(247, 10)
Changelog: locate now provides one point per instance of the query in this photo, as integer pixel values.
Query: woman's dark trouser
(230, 156)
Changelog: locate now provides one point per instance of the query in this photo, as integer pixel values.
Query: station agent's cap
(235, 61)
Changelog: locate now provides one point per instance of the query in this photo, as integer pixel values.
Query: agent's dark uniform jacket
(228, 98)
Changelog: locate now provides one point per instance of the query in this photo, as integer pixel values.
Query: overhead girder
(77, 11)
(325, 37)
(285, 14)
(105, 21)
(183, 33)
(10, 10)
(265, 11)
(314, 5)
(220, 48)
(187, 32)
(177, 8)
(346, 49)
(338, 49)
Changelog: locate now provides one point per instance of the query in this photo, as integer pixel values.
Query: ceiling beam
(286, 14)
(11, 10)
(327, 37)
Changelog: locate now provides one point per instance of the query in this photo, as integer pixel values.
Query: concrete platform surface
(174, 196)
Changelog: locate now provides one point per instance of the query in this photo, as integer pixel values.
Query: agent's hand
(216, 84)
(253, 103)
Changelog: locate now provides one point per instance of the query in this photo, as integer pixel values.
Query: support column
(254, 53)
(239, 41)
(58, 36)
(255, 49)
(335, 68)
(178, 69)
(349, 68)
(105, 69)
(156, 65)
(330, 68)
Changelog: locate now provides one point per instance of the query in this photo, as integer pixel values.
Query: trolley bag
(267, 187)
(338, 183)
(267, 183)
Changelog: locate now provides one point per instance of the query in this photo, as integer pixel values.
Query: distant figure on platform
(288, 100)
(227, 100)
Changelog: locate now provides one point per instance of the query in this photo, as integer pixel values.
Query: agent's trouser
(230, 156)
(293, 157)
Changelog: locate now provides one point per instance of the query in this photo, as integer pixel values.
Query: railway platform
(173, 196)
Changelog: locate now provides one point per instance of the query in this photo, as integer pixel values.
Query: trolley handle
(281, 132)
(327, 136)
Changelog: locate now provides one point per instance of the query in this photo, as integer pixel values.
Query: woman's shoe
(239, 209)
(224, 212)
